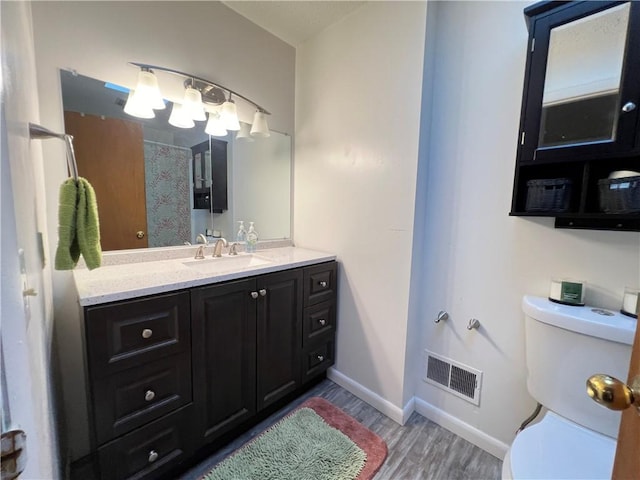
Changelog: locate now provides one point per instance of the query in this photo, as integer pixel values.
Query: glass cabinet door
(581, 97)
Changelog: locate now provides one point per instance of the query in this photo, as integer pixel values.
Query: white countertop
(119, 282)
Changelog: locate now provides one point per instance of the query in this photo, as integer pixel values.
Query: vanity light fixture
(201, 96)
(215, 126)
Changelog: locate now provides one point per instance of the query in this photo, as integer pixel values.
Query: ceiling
(293, 21)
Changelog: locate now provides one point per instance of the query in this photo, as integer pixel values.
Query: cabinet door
(581, 91)
(279, 335)
(224, 360)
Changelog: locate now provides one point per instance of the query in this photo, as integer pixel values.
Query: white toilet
(565, 345)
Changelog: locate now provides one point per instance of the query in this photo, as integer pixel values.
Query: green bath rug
(299, 447)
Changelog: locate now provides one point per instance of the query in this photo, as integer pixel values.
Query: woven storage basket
(620, 195)
(548, 195)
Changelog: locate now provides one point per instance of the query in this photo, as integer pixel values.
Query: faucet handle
(199, 253)
(233, 249)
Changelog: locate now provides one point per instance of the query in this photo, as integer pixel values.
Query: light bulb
(180, 118)
(215, 127)
(148, 92)
(136, 107)
(229, 116)
(259, 128)
(192, 103)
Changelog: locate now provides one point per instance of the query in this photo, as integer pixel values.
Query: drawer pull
(146, 333)
(322, 322)
(323, 284)
(149, 395)
(153, 456)
(320, 358)
(254, 295)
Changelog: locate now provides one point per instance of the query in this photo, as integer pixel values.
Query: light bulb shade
(215, 126)
(147, 90)
(259, 128)
(244, 133)
(192, 103)
(136, 107)
(229, 116)
(180, 117)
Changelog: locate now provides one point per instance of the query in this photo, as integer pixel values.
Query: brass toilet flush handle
(612, 393)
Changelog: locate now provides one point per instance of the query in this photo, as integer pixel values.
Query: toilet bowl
(575, 438)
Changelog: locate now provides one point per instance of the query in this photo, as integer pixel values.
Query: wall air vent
(454, 377)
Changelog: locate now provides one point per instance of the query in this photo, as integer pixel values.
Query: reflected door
(110, 154)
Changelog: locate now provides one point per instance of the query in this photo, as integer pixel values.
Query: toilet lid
(557, 448)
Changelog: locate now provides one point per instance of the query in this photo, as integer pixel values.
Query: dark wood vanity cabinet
(169, 374)
(580, 117)
(139, 369)
(246, 348)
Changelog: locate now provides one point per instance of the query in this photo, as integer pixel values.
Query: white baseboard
(400, 415)
(397, 414)
(486, 442)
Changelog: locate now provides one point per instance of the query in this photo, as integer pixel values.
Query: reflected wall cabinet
(579, 140)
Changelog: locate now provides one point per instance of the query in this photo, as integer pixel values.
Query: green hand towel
(68, 251)
(88, 225)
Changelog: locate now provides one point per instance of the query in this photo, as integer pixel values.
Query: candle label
(571, 292)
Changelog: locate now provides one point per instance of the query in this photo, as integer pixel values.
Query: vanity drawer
(133, 397)
(149, 451)
(320, 283)
(318, 359)
(319, 322)
(124, 334)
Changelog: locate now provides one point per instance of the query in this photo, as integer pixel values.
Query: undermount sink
(227, 263)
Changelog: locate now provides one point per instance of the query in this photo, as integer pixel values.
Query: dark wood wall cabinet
(578, 154)
(210, 175)
(171, 374)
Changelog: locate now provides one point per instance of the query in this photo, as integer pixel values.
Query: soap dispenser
(252, 238)
(241, 236)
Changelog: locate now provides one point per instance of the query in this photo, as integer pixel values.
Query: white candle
(630, 301)
(555, 292)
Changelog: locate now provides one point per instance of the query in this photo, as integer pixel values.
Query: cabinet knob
(323, 284)
(254, 295)
(140, 234)
(320, 358)
(149, 395)
(146, 333)
(153, 456)
(628, 107)
(263, 292)
(322, 322)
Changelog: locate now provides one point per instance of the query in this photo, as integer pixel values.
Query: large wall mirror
(158, 185)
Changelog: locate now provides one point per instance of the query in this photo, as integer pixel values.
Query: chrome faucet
(199, 253)
(202, 239)
(217, 249)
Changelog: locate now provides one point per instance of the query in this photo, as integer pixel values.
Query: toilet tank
(565, 345)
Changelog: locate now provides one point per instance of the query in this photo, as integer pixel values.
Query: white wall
(358, 97)
(98, 39)
(477, 261)
(28, 402)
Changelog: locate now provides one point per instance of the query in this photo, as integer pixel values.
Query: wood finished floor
(420, 449)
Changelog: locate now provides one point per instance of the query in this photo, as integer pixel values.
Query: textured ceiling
(293, 21)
